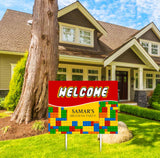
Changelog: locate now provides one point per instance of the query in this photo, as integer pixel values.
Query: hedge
(2, 104)
(141, 112)
(155, 96)
(16, 83)
(155, 105)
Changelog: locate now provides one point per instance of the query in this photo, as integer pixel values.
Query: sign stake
(100, 142)
(66, 141)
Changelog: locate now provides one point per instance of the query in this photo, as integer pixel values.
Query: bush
(2, 104)
(141, 112)
(156, 95)
(155, 105)
(16, 84)
(38, 126)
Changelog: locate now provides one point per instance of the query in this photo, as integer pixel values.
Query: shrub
(155, 105)
(5, 129)
(156, 95)
(2, 104)
(38, 126)
(141, 112)
(16, 84)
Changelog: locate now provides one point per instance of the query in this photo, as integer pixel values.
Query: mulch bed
(19, 131)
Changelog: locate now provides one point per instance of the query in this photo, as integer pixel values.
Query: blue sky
(130, 13)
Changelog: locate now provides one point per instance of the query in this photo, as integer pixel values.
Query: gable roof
(84, 11)
(138, 49)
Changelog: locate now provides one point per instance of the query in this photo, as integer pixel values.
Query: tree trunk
(42, 63)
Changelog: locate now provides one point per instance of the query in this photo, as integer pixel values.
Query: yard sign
(83, 107)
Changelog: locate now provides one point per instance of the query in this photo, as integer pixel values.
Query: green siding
(5, 69)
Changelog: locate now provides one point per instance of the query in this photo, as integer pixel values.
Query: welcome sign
(83, 107)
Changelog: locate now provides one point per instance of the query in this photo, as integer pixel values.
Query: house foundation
(141, 98)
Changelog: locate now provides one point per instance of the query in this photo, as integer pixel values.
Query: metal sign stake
(100, 142)
(66, 141)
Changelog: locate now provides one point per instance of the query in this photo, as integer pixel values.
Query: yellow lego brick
(88, 128)
(52, 124)
(80, 123)
(107, 132)
(101, 122)
(115, 108)
(114, 123)
(76, 132)
(108, 105)
(66, 123)
(59, 113)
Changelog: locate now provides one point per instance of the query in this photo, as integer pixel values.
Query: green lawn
(145, 144)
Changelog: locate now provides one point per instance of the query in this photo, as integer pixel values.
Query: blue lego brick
(74, 123)
(63, 119)
(49, 115)
(69, 132)
(107, 119)
(96, 127)
(58, 119)
(49, 127)
(55, 127)
(112, 119)
(85, 132)
(111, 108)
(86, 123)
(104, 127)
(116, 132)
(62, 108)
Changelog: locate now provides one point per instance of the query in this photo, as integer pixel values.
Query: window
(61, 76)
(77, 74)
(154, 49)
(92, 75)
(145, 45)
(136, 77)
(68, 34)
(76, 35)
(85, 37)
(151, 47)
(149, 80)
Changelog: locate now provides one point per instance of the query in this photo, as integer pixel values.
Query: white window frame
(150, 47)
(62, 73)
(12, 69)
(77, 34)
(136, 71)
(85, 71)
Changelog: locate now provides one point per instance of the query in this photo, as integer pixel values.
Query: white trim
(147, 28)
(142, 54)
(12, 69)
(77, 59)
(77, 34)
(83, 10)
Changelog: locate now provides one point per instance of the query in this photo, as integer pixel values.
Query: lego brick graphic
(93, 118)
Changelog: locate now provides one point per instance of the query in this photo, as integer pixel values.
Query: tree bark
(42, 63)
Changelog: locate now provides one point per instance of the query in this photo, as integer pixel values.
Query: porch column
(140, 78)
(113, 72)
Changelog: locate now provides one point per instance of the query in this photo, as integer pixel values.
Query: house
(89, 50)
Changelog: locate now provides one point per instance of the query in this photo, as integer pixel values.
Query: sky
(130, 13)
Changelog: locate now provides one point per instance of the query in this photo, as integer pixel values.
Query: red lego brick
(104, 109)
(63, 132)
(81, 131)
(100, 127)
(58, 123)
(114, 105)
(55, 109)
(92, 123)
(107, 123)
(51, 127)
(71, 128)
(112, 132)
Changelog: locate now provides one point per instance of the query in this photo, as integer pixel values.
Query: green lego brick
(59, 128)
(113, 129)
(50, 109)
(52, 131)
(63, 115)
(100, 109)
(102, 104)
(101, 131)
(65, 129)
(112, 102)
(78, 127)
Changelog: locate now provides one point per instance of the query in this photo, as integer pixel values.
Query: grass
(4, 114)
(145, 144)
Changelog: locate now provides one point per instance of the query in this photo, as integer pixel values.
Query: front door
(122, 78)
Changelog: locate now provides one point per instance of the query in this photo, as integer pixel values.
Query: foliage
(141, 112)
(38, 126)
(155, 105)
(16, 84)
(4, 114)
(5, 129)
(145, 143)
(2, 104)
(156, 95)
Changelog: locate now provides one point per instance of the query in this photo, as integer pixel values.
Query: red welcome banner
(73, 93)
